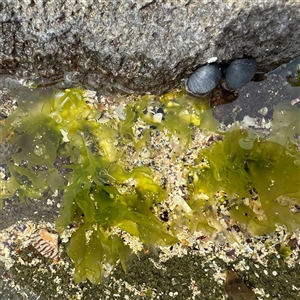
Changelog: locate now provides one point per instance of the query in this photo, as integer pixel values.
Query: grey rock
(141, 45)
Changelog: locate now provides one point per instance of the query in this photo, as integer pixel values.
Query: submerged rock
(236, 288)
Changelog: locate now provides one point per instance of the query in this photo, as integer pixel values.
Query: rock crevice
(141, 46)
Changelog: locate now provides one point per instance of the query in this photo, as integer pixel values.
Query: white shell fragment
(294, 101)
(121, 112)
(157, 118)
(263, 111)
(179, 201)
(212, 60)
(46, 243)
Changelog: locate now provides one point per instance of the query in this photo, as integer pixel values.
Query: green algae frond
(295, 81)
(65, 125)
(177, 120)
(244, 162)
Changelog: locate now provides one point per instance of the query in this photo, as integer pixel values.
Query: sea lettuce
(243, 162)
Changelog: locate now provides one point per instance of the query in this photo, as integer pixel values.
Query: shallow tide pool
(177, 190)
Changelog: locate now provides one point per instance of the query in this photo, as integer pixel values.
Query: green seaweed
(177, 119)
(65, 125)
(94, 202)
(295, 80)
(91, 252)
(285, 251)
(36, 140)
(242, 162)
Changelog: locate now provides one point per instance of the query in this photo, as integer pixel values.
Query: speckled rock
(141, 45)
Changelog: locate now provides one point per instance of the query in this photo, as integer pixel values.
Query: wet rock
(5, 150)
(236, 288)
(142, 45)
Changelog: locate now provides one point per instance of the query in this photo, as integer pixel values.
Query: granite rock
(141, 45)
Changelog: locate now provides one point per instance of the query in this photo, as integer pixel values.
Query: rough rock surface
(141, 45)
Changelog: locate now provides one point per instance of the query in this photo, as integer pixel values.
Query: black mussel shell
(204, 79)
(239, 72)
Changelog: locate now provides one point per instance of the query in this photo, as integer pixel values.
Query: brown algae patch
(155, 171)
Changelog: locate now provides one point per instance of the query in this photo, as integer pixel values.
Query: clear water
(251, 100)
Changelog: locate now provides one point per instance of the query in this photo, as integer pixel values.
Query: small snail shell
(46, 243)
(204, 79)
(239, 72)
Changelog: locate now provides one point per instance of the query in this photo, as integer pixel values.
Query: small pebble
(263, 111)
(236, 288)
